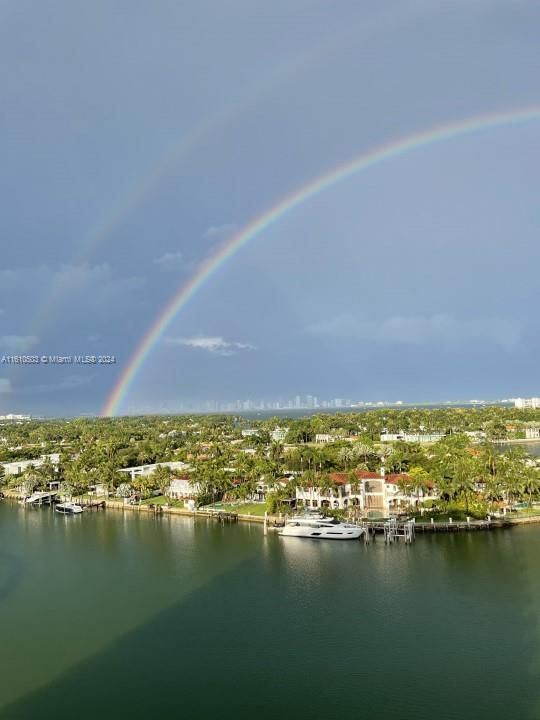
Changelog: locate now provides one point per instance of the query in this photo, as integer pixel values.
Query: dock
(221, 516)
(40, 498)
(394, 530)
(91, 504)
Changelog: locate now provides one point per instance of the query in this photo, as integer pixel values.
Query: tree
(29, 480)
(66, 489)
(143, 484)
(531, 482)
(162, 477)
(419, 481)
(124, 490)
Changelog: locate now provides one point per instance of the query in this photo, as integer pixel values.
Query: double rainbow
(209, 267)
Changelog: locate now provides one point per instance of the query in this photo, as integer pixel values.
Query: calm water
(126, 616)
(532, 448)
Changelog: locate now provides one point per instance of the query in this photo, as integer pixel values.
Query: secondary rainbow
(206, 270)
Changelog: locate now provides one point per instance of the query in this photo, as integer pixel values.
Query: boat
(320, 528)
(68, 508)
(39, 498)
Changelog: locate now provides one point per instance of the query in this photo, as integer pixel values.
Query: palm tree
(531, 482)
(419, 481)
(29, 480)
(275, 452)
(162, 477)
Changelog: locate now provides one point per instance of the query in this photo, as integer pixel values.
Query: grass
(444, 517)
(239, 507)
(162, 500)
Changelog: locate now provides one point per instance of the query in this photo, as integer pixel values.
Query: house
(279, 434)
(99, 489)
(16, 467)
(249, 432)
(397, 498)
(263, 488)
(322, 438)
(183, 488)
(412, 437)
(137, 470)
(532, 433)
(369, 492)
(527, 403)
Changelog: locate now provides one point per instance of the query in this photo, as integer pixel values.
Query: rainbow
(260, 224)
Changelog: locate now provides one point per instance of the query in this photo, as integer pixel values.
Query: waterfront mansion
(369, 492)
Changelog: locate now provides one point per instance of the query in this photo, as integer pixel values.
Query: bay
(129, 615)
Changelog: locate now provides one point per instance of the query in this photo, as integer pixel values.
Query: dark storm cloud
(135, 140)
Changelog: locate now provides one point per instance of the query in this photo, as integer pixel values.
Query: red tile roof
(394, 478)
(343, 478)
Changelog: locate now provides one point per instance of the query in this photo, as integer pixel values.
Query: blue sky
(136, 137)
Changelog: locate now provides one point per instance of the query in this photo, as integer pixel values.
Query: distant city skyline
(312, 402)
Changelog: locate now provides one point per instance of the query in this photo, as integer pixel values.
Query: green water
(117, 615)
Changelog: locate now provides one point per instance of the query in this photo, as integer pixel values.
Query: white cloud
(5, 386)
(441, 329)
(220, 230)
(215, 345)
(170, 260)
(17, 343)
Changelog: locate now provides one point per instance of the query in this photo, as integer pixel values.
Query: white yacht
(321, 528)
(68, 508)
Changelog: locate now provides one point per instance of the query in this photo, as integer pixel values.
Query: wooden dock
(394, 529)
(379, 526)
(223, 517)
(40, 498)
(91, 504)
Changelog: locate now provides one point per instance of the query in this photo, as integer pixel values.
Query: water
(131, 616)
(532, 448)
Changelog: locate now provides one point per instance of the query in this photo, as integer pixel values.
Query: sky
(136, 138)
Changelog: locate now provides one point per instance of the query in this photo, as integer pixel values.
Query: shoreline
(274, 521)
(117, 505)
(520, 441)
(114, 505)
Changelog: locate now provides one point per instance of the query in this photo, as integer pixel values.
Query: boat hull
(323, 533)
(69, 509)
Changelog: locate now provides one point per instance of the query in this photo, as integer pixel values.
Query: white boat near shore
(68, 508)
(320, 528)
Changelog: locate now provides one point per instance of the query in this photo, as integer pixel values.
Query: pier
(223, 517)
(91, 504)
(41, 498)
(394, 530)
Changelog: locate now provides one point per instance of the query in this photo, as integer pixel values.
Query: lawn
(240, 508)
(162, 500)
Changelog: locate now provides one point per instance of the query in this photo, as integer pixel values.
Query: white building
(279, 434)
(532, 433)
(182, 489)
(16, 467)
(412, 437)
(137, 470)
(371, 492)
(249, 432)
(527, 403)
